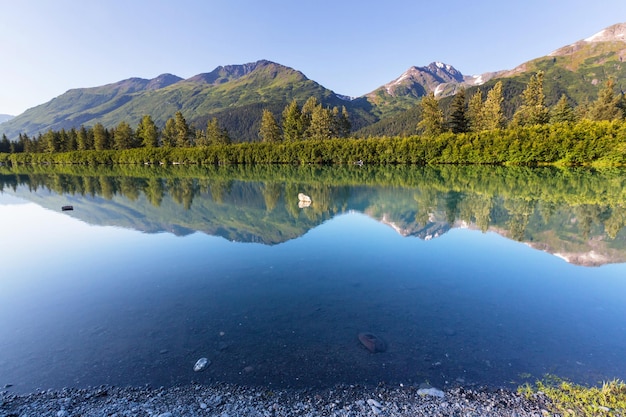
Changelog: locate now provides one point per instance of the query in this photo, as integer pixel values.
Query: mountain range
(237, 94)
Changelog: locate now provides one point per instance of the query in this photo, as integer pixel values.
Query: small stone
(62, 413)
(203, 406)
(603, 408)
(168, 414)
(433, 392)
(374, 403)
(163, 351)
(201, 364)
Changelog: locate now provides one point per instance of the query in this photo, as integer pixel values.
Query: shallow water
(124, 291)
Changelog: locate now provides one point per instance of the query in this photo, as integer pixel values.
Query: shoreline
(228, 400)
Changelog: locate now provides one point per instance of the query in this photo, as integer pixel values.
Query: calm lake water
(492, 276)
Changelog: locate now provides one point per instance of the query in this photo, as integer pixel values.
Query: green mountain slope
(243, 89)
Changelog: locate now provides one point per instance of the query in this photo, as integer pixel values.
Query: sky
(349, 46)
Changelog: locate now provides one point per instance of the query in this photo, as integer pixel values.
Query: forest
(472, 130)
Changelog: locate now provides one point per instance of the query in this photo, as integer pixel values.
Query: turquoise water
(125, 292)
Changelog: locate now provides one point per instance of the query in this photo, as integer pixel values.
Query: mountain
(237, 94)
(578, 71)
(5, 117)
(232, 92)
(414, 83)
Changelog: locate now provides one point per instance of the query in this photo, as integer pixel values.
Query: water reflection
(577, 215)
(460, 302)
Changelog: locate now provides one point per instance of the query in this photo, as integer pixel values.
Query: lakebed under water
(470, 276)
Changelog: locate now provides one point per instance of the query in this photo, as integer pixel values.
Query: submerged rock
(373, 343)
(201, 364)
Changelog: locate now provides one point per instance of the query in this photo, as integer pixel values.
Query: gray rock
(201, 364)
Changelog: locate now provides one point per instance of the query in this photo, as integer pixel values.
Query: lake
(470, 275)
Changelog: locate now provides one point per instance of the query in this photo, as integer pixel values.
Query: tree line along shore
(470, 131)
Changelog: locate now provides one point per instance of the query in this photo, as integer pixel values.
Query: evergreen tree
(269, 131)
(492, 115)
(147, 132)
(432, 116)
(169, 133)
(5, 145)
(183, 132)
(475, 112)
(215, 135)
(562, 111)
(533, 110)
(71, 144)
(344, 125)
(341, 122)
(82, 139)
(307, 113)
(458, 117)
(293, 129)
(100, 137)
(123, 136)
(322, 123)
(608, 104)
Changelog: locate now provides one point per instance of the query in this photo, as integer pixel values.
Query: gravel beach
(231, 400)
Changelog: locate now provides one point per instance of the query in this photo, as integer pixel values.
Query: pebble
(201, 364)
(433, 392)
(374, 403)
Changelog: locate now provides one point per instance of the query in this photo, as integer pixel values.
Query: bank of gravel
(233, 401)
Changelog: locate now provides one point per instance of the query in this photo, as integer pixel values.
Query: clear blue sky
(351, 47)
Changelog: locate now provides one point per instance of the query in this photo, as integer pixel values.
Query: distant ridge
(5, 117)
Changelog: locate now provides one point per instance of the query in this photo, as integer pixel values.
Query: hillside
(577, 71)
(5, 117)
(230, 92)
(237, 94)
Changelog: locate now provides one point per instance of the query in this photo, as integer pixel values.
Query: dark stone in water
(373, 343)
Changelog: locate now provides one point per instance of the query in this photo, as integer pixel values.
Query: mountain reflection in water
(576, 214)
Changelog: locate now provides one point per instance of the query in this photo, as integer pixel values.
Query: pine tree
(147, 132)
(82, 139)
(432, 116)
(533, 110)
(169, 133)
(475, 112)
(344, 125)
(293, 129)
(123, 136)
(322, 124)
(608, 104)
(100, 137)
(183, 132)
(492, 115)
(307, 113)
(269, 131)
(5, 145)
(562, 111)
(215, 135)
(458, 116)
